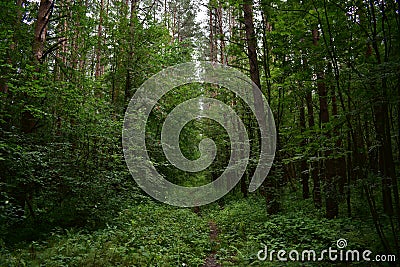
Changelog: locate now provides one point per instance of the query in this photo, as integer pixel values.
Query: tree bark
(251, 43)
(271, 195)
(382, 126)
(41, 26)
(266, 54)
(331, 198)
(131, 50)
(314, 164)
(28, 122)
(99, 67)
(213, 48)
(304, 166)
(331, 202)
(221, 34)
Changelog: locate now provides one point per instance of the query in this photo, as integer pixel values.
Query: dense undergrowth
(153, 234)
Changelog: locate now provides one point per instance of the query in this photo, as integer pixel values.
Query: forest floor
(154, 234)
(211, 260)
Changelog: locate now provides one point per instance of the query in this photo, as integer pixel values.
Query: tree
(251, 39)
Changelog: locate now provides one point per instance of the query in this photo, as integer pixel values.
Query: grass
(154, 234)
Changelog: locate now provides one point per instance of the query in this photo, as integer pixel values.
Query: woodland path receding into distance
(211, 260)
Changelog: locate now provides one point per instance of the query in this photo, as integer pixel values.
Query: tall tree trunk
(339, 162)
(314, 166)
(28, 120)
(331, 201)
(41, 26)
(251, 42)
(251, 39)
(213, 39)
(98, 72)
(304, 166)
(221, 34)
(266, 54)
(45, 8)
(210, 24)
(382, 125)
(331, 196)
(173, 27)
(131, 50)
(231, 26)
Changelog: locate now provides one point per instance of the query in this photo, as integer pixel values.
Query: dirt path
(211, 260)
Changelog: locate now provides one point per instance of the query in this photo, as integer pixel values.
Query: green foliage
(153, 234)
(61, 159)
(146, 234)
(245, 227)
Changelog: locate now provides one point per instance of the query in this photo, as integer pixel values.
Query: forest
(329, 72)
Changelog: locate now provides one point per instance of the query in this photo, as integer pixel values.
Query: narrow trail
(211, 260)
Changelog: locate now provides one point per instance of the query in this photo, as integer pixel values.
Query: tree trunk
(266, 54)
(331, 202)
(304, 166)
(251, 43)
(314, 164)
(211, 24)
(41, 26)
(131, 51)
(28, 121)
(98, 72)
(221, 34)
(382, 126)
(271, 195)
(331, 199)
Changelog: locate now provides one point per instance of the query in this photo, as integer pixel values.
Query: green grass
(154, 234)
(148, 234)
(245, 228)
